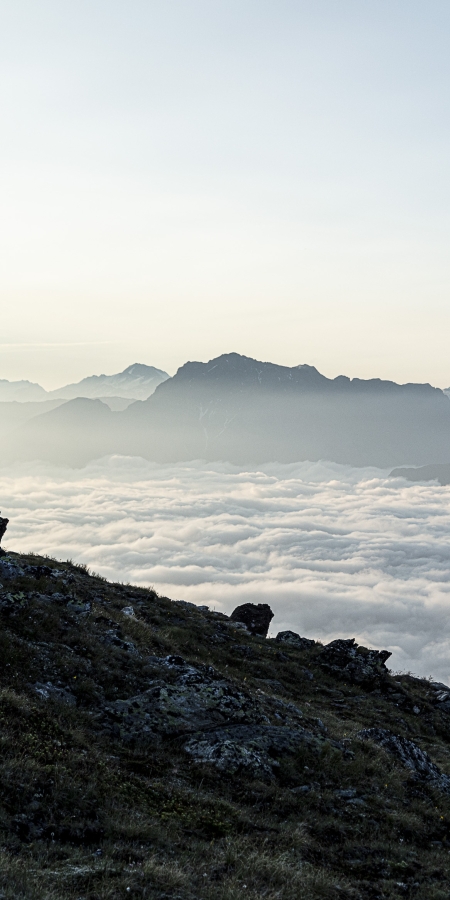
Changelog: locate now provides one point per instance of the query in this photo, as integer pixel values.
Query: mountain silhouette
(249, 412)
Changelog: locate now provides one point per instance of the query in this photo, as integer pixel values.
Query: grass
(85, 817)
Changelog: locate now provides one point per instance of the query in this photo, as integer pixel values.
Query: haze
(224, 305)
(335, 551)
(183, 179)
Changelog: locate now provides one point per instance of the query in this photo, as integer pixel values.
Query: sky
(335, 551)
(184, 178)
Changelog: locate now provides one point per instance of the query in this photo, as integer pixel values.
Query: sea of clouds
(335, 551)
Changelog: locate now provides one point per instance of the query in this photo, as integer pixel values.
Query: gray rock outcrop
(358, 665)
(294, 640)
(409, 755)
(216, 722)
(182, 699)
(252, 749)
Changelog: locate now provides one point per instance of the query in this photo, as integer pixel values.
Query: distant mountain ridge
(434, 472)
(21, 391)
(248, 412)
(136, 382)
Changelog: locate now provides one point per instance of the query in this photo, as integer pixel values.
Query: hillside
(154, 749)
(249, 412)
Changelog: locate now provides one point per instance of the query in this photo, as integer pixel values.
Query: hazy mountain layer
(245, 411)
(23, 391)
(439, 473)
(14, 413)
(136, 382)
(249, 412)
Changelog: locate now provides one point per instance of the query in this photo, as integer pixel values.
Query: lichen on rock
(294, 640)
(357, 665)
(181, 699)
(410, 755)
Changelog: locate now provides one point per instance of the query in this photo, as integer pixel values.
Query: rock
(3, 527)
(294, 640)
(10, 569)
(49, 691)
(239, 626)
(39, 571)
(252, 749)
(357, 665)
(180, 700)
(255, 616)
(219, 723)
(410, 755)
(438, 686)
(441, 696)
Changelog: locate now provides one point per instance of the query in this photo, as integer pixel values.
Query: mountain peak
(136, 382)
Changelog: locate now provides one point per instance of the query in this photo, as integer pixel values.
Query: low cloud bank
(336, 551)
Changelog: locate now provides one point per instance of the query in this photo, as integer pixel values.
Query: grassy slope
(83, 816)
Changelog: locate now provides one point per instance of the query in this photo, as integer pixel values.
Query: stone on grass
(410, 755)
(358, 665)
(255, 616)
(3, 526)
(294, 640)
(251, 749)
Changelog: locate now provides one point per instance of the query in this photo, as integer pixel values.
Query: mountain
(14, 413)
(440, 473)
(249, 412)
(155, 749)
(136, 382)
(22, 391)
(73, 433)
(245, 411)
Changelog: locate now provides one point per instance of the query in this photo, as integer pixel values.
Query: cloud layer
(337, 552)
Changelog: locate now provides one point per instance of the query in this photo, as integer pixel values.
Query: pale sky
(183, 178)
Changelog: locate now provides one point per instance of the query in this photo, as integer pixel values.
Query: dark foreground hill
(248, 412)
(153, 749)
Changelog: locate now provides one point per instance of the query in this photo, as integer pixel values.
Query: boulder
(409, 755)
(3, 527)
(255, 616)
(294, 640)
(358, 665)
(441, 696)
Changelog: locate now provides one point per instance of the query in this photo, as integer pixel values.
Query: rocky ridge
(153, 748)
